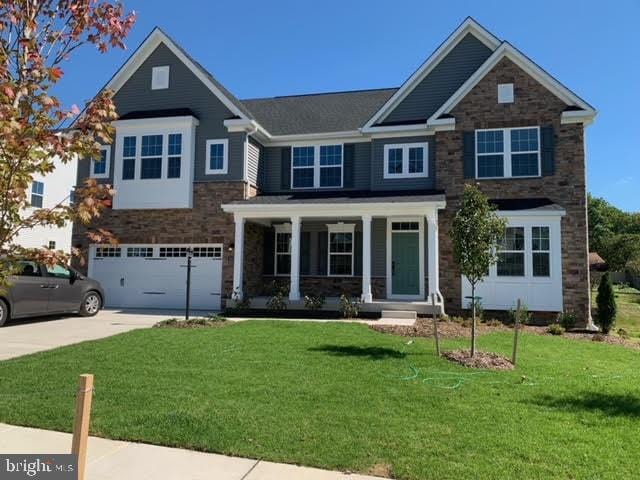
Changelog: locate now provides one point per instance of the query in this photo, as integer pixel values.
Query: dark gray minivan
(40, 290)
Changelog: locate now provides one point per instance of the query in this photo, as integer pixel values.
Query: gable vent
(505, 93)
(160, 78)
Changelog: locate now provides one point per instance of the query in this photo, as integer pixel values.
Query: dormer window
(160, 78)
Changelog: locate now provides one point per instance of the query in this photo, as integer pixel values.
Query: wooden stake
(81, 423)
(516, 328)
(435, 323)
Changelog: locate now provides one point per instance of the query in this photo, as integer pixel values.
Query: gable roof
(317, 113)
(468, 26)
(577, 106)
(147, 47)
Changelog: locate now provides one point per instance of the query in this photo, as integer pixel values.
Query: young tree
(606, 301)
(476, 232)
(36, 38)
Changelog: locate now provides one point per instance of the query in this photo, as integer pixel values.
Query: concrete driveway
(22, 337)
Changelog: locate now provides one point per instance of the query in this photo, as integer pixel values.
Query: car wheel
(4, 312)
(91, 304)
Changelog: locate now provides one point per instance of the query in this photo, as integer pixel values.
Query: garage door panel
(159, 282)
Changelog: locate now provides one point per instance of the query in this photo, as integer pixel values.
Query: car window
(59, 271)
(28, 269)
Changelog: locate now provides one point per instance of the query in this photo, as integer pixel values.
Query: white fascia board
(468, 26)
(155, 38)
(537, 73)
(329, 210)
(540, 215)
(152, 123)
(577, 116)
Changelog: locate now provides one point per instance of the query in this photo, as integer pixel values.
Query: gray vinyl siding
(253, 160)
(442, 81)
(185, 91)
(378, 182)
(271, 179)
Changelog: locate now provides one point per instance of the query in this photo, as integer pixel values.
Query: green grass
(628, 302)
(341, 396)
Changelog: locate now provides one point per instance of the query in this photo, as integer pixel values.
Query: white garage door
(155, 276)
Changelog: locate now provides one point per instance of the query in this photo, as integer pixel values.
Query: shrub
(349, 308)
(494, 323)
(623, 333)
(243, 303)
(278, 302)
(566, 320)
(555, 329)
(606, 301)
(524, 317)
(314, 302)
(479, 308)
(197, 322)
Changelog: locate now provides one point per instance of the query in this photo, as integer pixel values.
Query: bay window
(317, 166)
(151, 157)
(508, 152)
(340, 251)
(524, 252)
(511, 253)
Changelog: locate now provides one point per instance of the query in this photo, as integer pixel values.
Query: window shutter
(305, 253)
(323, 239)
(285, 168)
(547, 150)
(349, 164)
(357, 252)
(469, 154)
(269, 251)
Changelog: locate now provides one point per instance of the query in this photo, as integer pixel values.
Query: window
(168, 252)
(151, 157)
(540, 251)
(217, 156)
(160, 78)
(51, 245)
(210, 252)
(129, 158)
(341, 249)
(511, 253)
(406, 160)
(175, 152)
(100, 167)
(317, 166)
(106, 252)
(58, 271)
(28, 269)
(505, 93)
(140, 252)
(37, 194)
(283, 249)
(508, 152)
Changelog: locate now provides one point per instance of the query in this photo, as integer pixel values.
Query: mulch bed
(485, 360)
(450, 329)
(192, 323)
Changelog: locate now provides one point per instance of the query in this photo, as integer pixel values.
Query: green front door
(405, 263)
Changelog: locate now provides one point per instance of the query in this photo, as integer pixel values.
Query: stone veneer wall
(204, 223)
(534, 105)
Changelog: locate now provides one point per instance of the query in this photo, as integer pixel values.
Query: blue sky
(258, 48)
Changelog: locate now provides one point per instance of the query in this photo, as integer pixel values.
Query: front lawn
(341, 396)
(628, 302)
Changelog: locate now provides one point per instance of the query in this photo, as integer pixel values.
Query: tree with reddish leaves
(37, 37)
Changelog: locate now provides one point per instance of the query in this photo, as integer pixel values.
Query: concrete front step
(408, 314)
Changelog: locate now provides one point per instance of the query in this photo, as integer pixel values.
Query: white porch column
(367, 297)
(434, 265)
(294, 289)
(238, 258)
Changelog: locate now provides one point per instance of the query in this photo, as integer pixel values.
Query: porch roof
(358, 196)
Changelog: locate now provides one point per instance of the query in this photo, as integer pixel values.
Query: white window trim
(107, 149)
(32, 193)
(225, 157)
(506, 93)
(158, 74)
(506, 154)
(137, 175)
(279, 229)
(529, 251)
(405, 160)
(523, 252)
(341, 228)
(316, 165)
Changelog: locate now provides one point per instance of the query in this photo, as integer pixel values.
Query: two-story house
(346, 192)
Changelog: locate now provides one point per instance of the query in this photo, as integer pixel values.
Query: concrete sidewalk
(111, 459)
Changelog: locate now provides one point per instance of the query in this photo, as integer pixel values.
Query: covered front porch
(382, 250)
